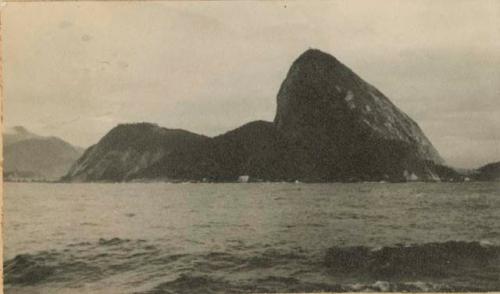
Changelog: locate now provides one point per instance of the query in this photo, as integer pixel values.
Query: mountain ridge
(330, 125)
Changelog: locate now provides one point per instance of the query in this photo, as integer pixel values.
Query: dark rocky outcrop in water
(330, 125)
(29, 157)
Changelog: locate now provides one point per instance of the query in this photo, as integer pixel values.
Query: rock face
(339, 127)
(330, 125)
(28, 156)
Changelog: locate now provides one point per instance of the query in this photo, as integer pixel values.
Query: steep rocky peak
(316, 64)
(318, 57)
(316, 90)
(323, 98)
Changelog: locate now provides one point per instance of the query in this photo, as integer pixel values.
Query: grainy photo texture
(251, 146)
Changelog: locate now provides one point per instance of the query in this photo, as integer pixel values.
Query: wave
(78, 261)
(448, 266)
(187, 283)
(435, 260)
(28, 269)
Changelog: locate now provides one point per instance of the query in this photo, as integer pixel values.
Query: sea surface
(246, 238)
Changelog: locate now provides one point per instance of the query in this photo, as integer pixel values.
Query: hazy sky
(77, 69)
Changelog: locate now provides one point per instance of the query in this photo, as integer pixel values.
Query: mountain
(128, 148)
(252, 149)
(330, 125)
(340, 127)
(30, 156)
(488, 172)
(16, 134)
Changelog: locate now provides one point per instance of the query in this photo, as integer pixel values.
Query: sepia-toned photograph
(250, 146)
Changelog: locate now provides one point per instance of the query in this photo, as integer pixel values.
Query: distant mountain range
(330, 125)
(28, 156)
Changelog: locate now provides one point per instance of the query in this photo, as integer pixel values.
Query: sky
(77, 69)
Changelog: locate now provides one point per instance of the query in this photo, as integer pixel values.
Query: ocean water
(246, 238)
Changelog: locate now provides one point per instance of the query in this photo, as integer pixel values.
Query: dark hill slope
(252, 149)
(489, 172)
(128, 148)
